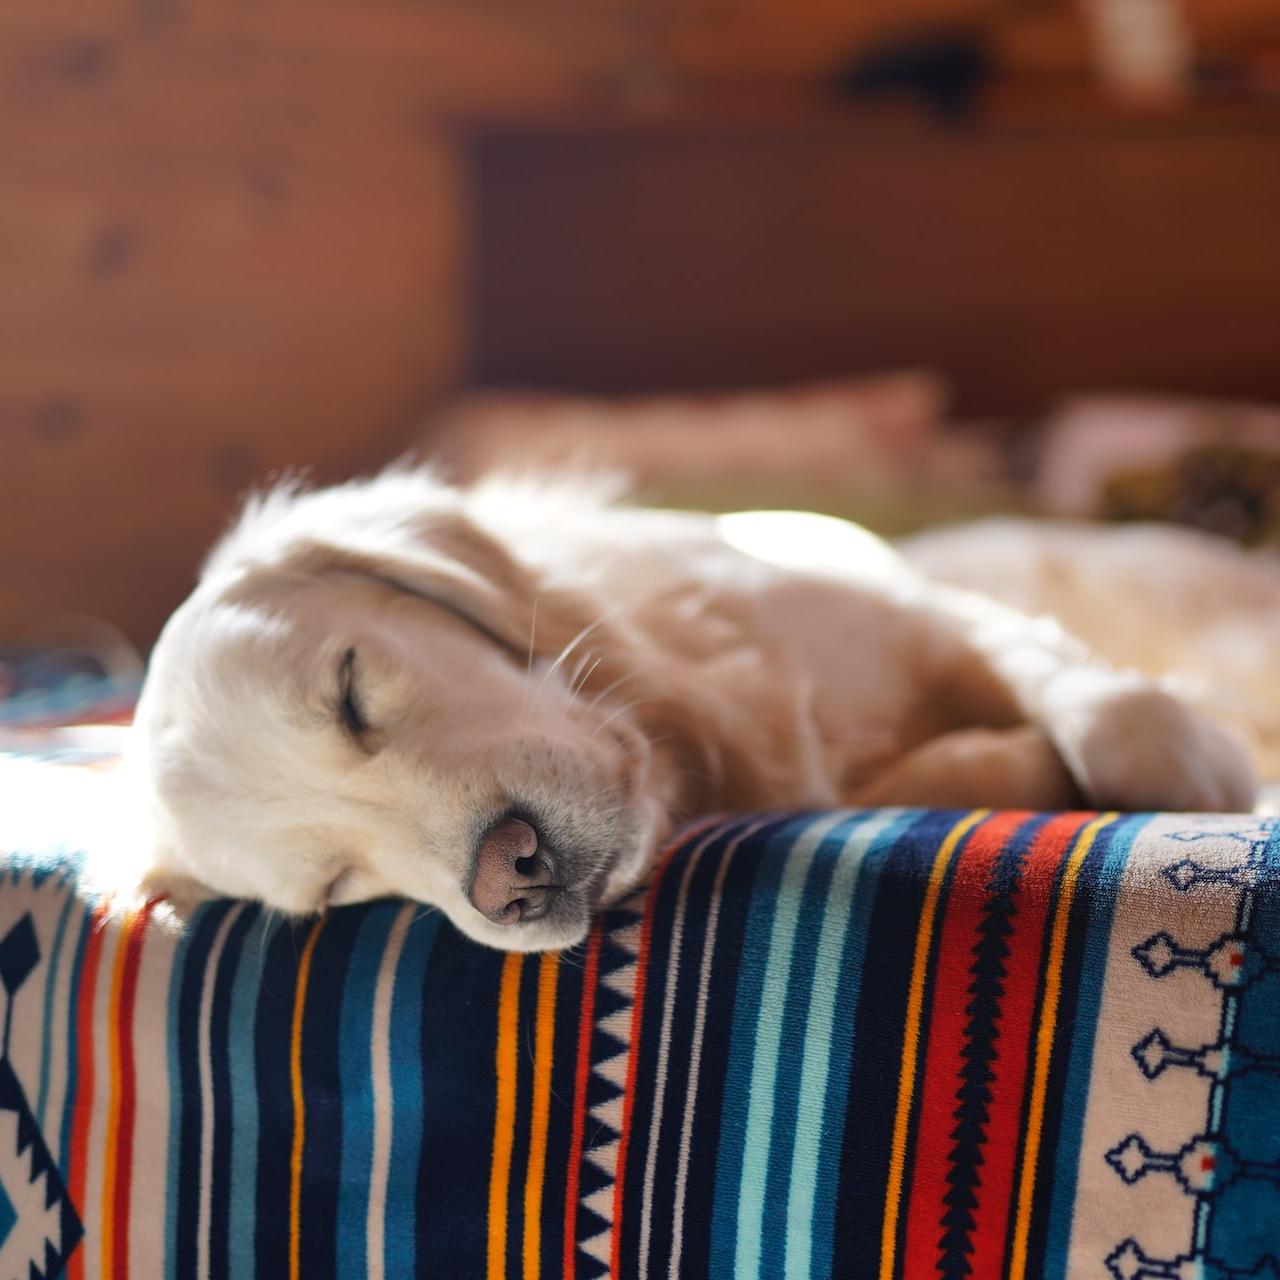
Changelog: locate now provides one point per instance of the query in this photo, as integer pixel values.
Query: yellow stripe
(544, 1034)
(1044, 1042)
(911, 1042)
(504, 1121)
(299, 1109)
(111, 1152)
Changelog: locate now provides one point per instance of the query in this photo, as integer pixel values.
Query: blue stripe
(774, 858)
(239, 1192)
(73, 1046)
(1093, 971)
(242, 1202)
(405, 1034)
(51, 982)
(355, 1060)
(829, 1041)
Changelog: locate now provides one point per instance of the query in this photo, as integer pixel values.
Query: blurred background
(901, 261)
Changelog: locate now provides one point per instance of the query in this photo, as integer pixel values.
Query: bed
(856, 1044)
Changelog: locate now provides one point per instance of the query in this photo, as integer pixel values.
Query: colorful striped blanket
(866, 1045)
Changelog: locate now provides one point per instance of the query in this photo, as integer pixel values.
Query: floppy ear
(442, 558)
(409, 531)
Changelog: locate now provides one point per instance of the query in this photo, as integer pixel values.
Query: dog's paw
(180, 893)
(1135, 746)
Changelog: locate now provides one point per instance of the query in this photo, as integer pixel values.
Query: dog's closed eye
(351, 711)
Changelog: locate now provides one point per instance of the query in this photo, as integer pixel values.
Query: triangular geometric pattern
(43, 1226)
(606, 1085)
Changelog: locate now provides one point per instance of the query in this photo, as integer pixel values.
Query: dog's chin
(568, 929)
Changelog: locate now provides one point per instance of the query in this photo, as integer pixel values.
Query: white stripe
(664, 1042)
(204, 1212)
(149, 1188)
(695, 1057)
(380, 1063)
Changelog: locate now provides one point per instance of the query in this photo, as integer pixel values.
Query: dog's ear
(412, 533)
(441, 557)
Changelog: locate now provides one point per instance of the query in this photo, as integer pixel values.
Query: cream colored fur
(607, 671)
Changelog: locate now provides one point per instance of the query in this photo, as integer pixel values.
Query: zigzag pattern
(607, 1086)
(50, 1214)
(981, 1034)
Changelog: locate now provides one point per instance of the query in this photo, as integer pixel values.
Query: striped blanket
(867, 1045)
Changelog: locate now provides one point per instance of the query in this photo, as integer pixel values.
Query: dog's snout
(514, 877)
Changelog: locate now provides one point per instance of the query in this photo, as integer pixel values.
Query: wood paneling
(236, 237)
(1022, 261)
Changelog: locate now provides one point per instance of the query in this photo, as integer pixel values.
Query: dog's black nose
(514, 878)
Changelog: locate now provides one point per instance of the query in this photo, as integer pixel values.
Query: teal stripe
(355, 1065)
(824, 1071)
(50, 985)
(1102, 900)
(771, 862)
(73, 1046)
(242, 1214)
(406, 1094)
(773, 1001)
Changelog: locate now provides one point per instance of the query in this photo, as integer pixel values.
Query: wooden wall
(1036, 251)
(237, 237)
(231, 241)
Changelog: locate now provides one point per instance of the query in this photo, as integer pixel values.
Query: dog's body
(500, 700)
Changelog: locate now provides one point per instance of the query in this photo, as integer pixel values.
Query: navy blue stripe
(644, 1120)
(564, 1064)
(273, 1029)
(459, 1035)
(322, 1090)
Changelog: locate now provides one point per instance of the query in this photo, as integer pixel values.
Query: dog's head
(367, 694)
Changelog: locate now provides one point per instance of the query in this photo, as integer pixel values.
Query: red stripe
(586, 1022)
(1017, 1012)
(83, 1111)
(637, 1012)
(946, 1019)
(128, 1090)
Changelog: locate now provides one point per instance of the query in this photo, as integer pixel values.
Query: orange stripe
(911, 1042)
(83, 1114)
(504, 1120)
(110, 1155)
(299, 1105)
(544, 1036)
(1044, 1041)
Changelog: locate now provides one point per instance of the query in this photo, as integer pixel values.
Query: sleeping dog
(500, 700)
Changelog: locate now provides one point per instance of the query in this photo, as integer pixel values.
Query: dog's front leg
(1128, 742)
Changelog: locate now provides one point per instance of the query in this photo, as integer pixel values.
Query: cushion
(855, 1044)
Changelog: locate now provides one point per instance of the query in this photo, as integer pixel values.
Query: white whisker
(617, 711)
(576, 685)
(610, 688)
(567, 651)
